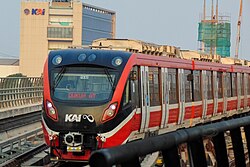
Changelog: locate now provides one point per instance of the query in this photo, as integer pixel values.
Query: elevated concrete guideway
(19, 96)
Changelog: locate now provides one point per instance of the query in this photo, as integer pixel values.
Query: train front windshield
(88, 84)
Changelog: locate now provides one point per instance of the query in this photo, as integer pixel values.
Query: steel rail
(19, 121)
(13, 146)
(18, 160)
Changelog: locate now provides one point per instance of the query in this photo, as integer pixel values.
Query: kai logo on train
(78, 117)
(34, 11)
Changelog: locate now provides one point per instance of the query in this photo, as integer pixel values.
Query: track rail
(19, 121)
(17, 161)
(19, 145)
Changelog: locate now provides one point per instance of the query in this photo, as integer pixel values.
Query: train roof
(137, 46)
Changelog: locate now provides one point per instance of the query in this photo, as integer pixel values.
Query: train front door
(145, 99)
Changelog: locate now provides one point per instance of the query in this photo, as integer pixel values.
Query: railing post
(220, 149)
(171, 157)
(247, 134)
(238, 147)
(197, 153)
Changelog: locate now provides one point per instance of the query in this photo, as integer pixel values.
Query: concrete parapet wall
(12, 112)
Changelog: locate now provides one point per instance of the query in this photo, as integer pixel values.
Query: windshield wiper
(58, 78)
(109, 78)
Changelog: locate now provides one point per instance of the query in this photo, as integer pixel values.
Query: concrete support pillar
(247, 134)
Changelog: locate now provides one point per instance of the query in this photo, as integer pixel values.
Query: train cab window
(197, 85)
(188, 85)
(154, 86)
(228, 81)
(234, 84)
(172, 77)
(219, 82)
(209, 85)
(88, 84)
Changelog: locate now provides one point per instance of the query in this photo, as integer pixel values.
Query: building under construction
(214, 32)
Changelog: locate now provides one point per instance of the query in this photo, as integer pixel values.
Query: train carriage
(100, 98)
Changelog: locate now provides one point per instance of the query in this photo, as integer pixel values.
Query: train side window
(234, 84)
(134, 82)
(219, 81)
(229, 84)
(197, 85)
(172, 77)
(242, 84)
(188, 85)
(209, 85)
(248, 84)
(126, 93)
(154, 86)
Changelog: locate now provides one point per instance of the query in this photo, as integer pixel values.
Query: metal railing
(20, 91)
(128, 154)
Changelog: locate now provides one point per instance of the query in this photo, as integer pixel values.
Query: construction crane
(238, 32)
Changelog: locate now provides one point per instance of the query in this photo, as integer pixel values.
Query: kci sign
(34, 11)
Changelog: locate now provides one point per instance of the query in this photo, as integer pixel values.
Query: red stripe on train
(173, 115)
(220, 107)
(231, 105)
(210, 109)
(155, 119)
(193, 112)
(120, 136)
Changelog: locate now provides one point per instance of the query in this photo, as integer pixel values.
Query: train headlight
(57, 60)
(117, 61)
(110, 112)
(92, 57)
(82, 57)
(51, 111)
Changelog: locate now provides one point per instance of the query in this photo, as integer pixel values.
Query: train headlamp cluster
(51, 111)
(110, 112)
(57, 60)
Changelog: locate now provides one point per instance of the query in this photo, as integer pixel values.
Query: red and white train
(95, 98)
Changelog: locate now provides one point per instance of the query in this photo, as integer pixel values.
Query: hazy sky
(171, 22)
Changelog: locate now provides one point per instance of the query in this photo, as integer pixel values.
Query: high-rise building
(57, 24)
(214, 32)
